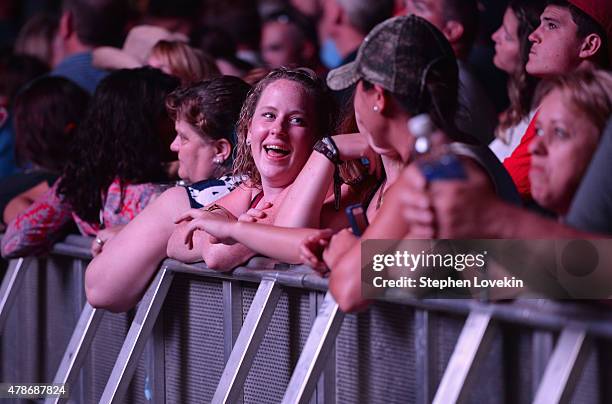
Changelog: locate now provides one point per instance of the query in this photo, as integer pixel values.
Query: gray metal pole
(10, 287)
(473, 344)
(564, 367)
(135, 341)
(77, 349)
(252, 333)
(315, 354)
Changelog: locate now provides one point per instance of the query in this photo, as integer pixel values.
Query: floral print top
(39, 226)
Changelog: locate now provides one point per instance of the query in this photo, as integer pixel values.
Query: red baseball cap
(600, 11)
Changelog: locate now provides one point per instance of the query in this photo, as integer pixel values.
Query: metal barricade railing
(444, 365)
(11, 284)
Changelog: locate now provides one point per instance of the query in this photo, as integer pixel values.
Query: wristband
(328, 148)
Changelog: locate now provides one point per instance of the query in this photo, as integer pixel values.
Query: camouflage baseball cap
(395, 55)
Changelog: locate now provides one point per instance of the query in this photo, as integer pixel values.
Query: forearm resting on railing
(280, 243)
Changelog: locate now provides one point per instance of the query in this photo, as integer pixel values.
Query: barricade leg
(425, 357)
(564, 367)
(11, 284)
(248, 341)
(77, 349)
(473, 344)
(232, 316)
(542, 346)
(136, 339)
(316, 351)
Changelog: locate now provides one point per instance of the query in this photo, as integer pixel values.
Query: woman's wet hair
(325, 115)
(126, 135)
(47, 113)
(212, 107)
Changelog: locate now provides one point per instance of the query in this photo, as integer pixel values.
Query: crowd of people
(218, 143)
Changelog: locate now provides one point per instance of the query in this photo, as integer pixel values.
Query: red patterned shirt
(36, 228)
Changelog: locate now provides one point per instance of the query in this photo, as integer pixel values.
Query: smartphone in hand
(357, 219)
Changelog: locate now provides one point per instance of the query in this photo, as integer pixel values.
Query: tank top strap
(256, 200)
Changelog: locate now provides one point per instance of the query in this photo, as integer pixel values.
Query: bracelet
(329, 149)
(215, 207)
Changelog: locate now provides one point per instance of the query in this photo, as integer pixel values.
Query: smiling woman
(308, 113)
(281, 133)
(282, 118)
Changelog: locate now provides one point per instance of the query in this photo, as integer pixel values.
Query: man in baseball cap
(573, 34)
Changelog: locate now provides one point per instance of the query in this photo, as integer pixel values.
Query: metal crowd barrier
(270, 333)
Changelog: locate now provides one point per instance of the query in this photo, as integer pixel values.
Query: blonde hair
(589, 91)
(190, 65)
(36, 38)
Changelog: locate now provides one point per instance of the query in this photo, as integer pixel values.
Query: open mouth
(276, 151)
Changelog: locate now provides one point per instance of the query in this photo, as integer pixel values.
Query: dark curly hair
(46, 113)
(124, 136)
(326, 112)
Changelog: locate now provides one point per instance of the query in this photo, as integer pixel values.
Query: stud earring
(217, 160)
(376, 108)
(248, 142)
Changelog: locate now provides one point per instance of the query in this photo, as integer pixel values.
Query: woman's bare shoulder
(239, 200)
